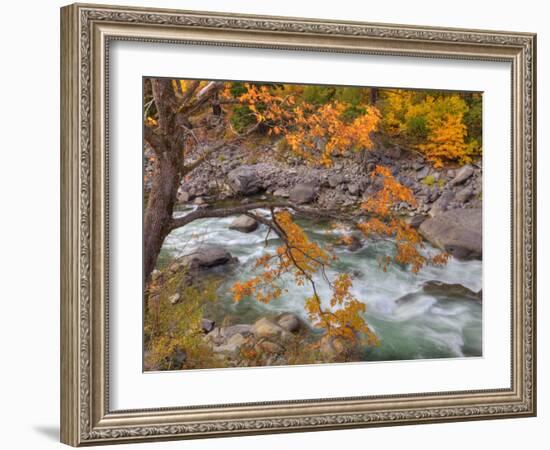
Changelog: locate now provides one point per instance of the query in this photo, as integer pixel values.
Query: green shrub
(318, 95)
(417, 127)
(242, 118)
(172, 330)
(429, 180)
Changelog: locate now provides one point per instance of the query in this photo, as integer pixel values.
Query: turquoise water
(422, 327)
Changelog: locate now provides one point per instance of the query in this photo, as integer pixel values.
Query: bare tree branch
(193, 85)
(215, 147)
(209, 89)
(205, 155)
(203, 97)
(225, 212)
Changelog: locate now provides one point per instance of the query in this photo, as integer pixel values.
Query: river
(422, 327)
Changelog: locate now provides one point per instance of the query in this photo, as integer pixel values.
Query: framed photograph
(276, 225)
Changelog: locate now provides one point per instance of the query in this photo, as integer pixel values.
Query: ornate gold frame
(86, 31)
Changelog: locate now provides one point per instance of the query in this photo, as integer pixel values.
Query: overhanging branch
(206, 213)
(226, 212)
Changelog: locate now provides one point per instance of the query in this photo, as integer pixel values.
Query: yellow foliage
(391, 193)
(446, 141)
(397, 103)
(313, 132)
(408, 241)
(326, 124)
(172, 328)
(302, 258)
(346, 318)
(433, 125)
(297, 256)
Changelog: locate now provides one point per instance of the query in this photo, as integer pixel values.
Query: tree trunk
(160, 205)
(373, 96)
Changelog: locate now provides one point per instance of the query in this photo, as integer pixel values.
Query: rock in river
(208, 256)
(244, 224)
(457, 231)
(453, 290)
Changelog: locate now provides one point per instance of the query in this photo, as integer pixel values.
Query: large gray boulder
(208, 256)
(335, 180)
(464, 194)
(303, 193)
(207, 325)
(244, 180)
(442, 203)
(267, 329)
(354, 188)
(458, 231)
(451, 290)
(462, 175)
(220, 335)
(290, 322)
(244, 224)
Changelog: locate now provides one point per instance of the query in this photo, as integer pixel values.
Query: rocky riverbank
(449, 200)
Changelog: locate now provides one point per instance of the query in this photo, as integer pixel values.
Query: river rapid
(419, 326)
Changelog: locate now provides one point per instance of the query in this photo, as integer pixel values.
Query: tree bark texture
(166, 177)
(160, 205)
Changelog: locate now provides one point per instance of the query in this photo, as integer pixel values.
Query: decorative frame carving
(86, 31)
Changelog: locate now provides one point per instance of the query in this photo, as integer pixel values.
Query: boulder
(354, 189)
(221, 335)
(351, 242)
(331, 199)
(442, 203)
(232, 345)
(199, 201)
(458, 231)
(453, 290)
(462, 175)
(183, 197)
(393, 152)
(464, 194)
(416, 220)
(244, 180)
(335, 180)
(303, 193)
(281, 193)
(423, 173)
(333, 348)
(244, 224)
(173, 299)
(265, 328)
(208, 256)
(290, 322)
(207, 325)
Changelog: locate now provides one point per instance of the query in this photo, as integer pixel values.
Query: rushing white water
(420, 327)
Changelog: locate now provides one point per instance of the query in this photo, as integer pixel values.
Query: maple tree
(380, 221)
